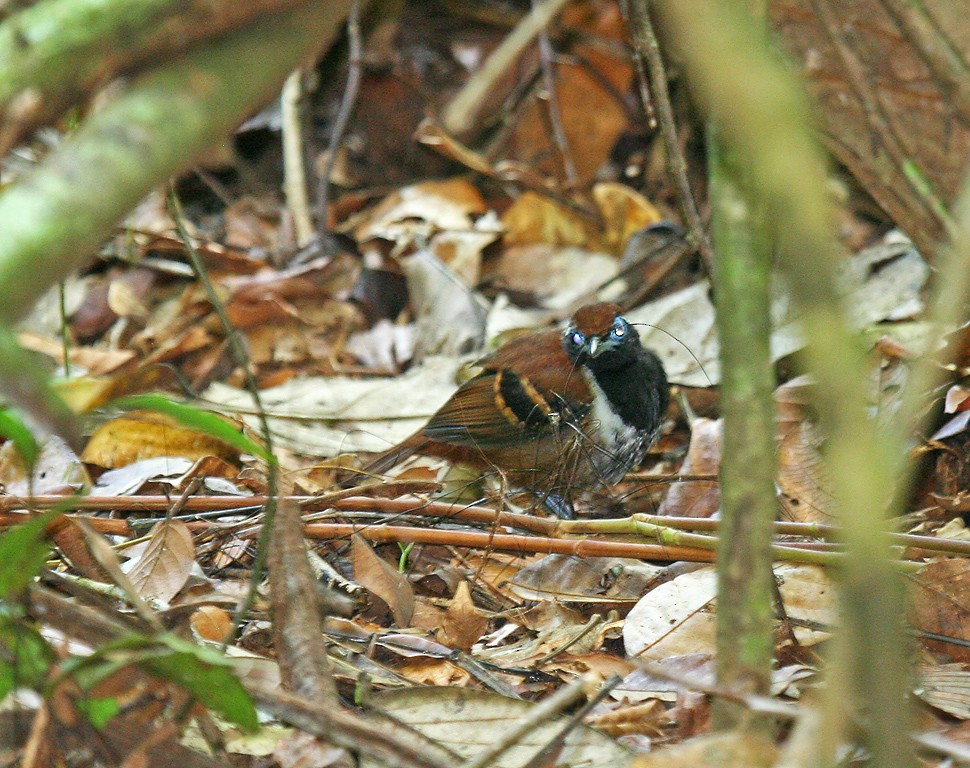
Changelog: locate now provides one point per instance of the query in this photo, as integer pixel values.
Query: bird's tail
(390, 458)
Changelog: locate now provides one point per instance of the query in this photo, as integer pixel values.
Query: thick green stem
(762, 115)
(742, 278)
(55, 53)
(56, 216)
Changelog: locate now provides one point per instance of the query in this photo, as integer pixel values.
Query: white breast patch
(620, 445)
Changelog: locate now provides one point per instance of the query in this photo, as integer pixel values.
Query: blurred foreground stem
(762, 116)
(742, 278)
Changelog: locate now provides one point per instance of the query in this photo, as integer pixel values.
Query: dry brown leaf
(424, 671)
(533, 219)
(378, 576)
(103, 558)
(427, 616)
(624, 211)
(463, 623)
(166, 563)
(645, 718)
(803, 478)
(211, 623)
(584, 579)
(942, 605)
(886, 115)
(141, 435)
(73, 545)
(97, 362)
(698, 498)
(233, 550)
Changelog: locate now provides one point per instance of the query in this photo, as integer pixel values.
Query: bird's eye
(577, 339)
(619, 330)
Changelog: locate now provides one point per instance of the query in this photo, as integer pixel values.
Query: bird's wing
(499, 408)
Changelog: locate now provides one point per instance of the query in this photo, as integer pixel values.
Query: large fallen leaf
(568, 578)
(468, 721)
(166, 563)
(324, 416)
(892, 99)
(665, 610)
(942, 605)
(698, 498)
(677, 618)
(138, 436)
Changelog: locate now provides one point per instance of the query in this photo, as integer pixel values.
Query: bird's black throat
(636, 388)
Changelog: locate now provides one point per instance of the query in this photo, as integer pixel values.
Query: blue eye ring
(619, 329)
(575, 338)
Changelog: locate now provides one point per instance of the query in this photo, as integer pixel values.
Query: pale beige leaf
(166, 563)
(665, 612)
(469, 721)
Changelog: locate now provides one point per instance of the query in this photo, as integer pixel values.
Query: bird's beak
(594, 346)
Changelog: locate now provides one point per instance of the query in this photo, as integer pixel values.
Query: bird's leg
(559, 505)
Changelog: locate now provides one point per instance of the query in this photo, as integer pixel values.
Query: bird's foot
(560, 506)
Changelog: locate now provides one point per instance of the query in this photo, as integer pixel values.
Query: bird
(552, 410)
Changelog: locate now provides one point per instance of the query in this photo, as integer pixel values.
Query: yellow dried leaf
(142, 435)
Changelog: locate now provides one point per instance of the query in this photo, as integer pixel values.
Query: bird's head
(598, 336)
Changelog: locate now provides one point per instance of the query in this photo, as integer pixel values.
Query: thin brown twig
(340, 123)
(650, 69)
(415, 506)
(552, 104)
(460, 114)
(241, 358)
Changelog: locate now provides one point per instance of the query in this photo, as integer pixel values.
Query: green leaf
(204, 672)
(23, 552)
(207, 674)
(195, 418)
(13, 428)
(25, 657)
(98, 711)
